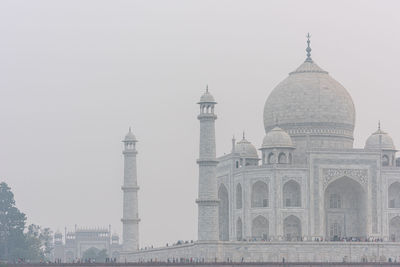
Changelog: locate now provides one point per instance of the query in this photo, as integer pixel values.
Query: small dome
(277, 138)
(207, 97)
(246, 149)
(380, 140)
(130, 136)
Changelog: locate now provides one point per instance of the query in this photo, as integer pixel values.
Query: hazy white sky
(74, 75)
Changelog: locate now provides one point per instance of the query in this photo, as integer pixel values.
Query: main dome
(310, 102)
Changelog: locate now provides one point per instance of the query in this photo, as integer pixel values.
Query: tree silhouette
(12, 225)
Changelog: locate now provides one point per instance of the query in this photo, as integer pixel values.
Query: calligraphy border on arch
(393, 215)
(288, 178)
(332, 174)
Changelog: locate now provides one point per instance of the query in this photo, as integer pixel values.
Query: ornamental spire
(308, 49)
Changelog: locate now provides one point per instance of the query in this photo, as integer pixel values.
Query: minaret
(130, 219)
(208, 197)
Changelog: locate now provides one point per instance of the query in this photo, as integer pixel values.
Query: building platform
(257, 252)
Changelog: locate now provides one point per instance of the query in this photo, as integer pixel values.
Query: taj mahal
(303, 193)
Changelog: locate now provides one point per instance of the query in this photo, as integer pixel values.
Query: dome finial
(308, 49)
(130, 129)
(207, 88)
(379, 125)
(243, 135)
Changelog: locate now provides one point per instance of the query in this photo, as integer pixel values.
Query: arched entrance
(394, 195)
(259, 195)
(394, 229)
(292, 228)
(345, 210)
(223, 213)
(238, 196)
(260, 228)
(239, 229)
(291, 194)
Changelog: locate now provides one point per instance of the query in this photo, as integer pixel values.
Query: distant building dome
(246, 149)
(277, 137)
(309, 102)
(130, 136)
(380, 140)
(207, 97)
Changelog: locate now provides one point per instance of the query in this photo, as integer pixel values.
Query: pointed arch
(259, 195)
(260, 228)
(223, 213)
(345, 209)
(292, 228)
(291, 194)
(394, 229)
(239, 193)
(239, 229)
(282, 159)
(271, 158)
(394, 195)
(385, 160)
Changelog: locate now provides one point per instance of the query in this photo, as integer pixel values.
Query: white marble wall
(271, 252)
(130, 219)
(324, 167)
(208, 195)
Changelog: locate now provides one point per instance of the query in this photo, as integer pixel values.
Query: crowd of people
(177, 243)
(285, 239)
(315, 239)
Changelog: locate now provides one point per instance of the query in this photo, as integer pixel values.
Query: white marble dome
(246, 149)
(309, 101)
(277, 137)
(380, 140)
(130, 136)
(207, 97)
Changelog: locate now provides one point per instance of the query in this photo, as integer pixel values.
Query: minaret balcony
(207, 161)
(207, 116)
(130, 188)
(136, 220)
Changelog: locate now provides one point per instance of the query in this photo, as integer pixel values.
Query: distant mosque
(77, 243)
(306, 194)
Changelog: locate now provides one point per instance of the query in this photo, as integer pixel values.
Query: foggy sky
(74, 75)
